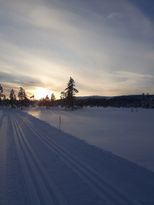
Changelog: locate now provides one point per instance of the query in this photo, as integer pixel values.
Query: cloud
(19, 80)
(131, 82)
(102, 40)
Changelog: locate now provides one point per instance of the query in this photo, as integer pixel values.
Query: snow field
(118, 130)
(40, 164)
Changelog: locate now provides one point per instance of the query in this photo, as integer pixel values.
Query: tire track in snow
(48, 193)
(105, 190)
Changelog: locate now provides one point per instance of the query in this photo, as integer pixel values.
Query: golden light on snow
(40, 92)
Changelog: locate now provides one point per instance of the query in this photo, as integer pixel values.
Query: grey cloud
(21, 80)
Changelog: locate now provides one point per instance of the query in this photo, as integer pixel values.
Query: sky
(105, 45)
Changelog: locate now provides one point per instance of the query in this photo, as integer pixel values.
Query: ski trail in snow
(38, 166)
(103, 189)
(3, 155)
(43, 190)
(10, 175)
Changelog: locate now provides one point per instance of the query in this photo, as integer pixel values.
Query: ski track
(40, 185)
(87, 173)
(34, 171)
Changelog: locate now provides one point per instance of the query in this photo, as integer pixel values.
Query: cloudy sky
(105, 45)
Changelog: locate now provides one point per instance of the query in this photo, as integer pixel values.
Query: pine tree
(53, 98)
(2, 95)
(46, 101)
(1, 89)
(70, 92)
(22, 94)
(12, 98)
(12, 95)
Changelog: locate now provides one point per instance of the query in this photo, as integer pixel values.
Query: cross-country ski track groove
(44, 161)
(84, 171)
(36, 172)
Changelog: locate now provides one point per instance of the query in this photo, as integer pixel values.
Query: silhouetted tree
(47, 98)
(70, 92)
(53, 98)
(23, 100)
(62, 98)
(47, 101)
(12, 95)
(12, 98)
(1, 93)
(22, 94)
(1, 89)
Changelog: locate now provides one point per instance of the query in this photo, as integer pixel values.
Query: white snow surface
(123, 131)
(41, 165)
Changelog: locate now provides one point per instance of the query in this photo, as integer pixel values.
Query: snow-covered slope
(42, 165)
(123, 131)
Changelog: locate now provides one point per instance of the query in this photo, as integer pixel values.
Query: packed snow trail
(42, 165)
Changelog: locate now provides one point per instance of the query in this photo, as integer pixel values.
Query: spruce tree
(12, 98)
(70, 93)
(2, 95)
(1, 91)
(22, 97)
(12, 95)
(53, 98)
(22, 94)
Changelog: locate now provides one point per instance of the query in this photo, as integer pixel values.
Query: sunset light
(110, 42)
(41, 93)
(77, 102)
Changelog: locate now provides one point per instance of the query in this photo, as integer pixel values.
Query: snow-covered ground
(125, 132)
(41, 165)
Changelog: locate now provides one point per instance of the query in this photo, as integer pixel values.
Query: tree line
(67, 98)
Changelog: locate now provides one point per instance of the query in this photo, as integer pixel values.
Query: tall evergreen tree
(53, 98)
(47, 101)
(22, 94)
(70, 93)
(1, 89)
(2, 95)
(12, 98)
(12, 95)
(23, 100)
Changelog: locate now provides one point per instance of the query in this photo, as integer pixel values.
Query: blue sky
(105, 45)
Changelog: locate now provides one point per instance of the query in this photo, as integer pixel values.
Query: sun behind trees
(21, 99)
